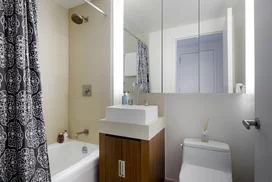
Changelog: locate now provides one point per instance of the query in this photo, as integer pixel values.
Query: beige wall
(53, 41)
(130, 43)
(89, 64)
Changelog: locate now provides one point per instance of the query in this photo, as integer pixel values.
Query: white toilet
(205, 162)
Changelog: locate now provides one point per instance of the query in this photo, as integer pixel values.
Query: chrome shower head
(78, 19)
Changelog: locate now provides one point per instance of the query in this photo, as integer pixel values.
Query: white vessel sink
(135, 114)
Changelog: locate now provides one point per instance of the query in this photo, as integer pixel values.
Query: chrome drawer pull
(123, 169)
(120, 168)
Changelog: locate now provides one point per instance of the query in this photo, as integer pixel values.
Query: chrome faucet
(85, 132)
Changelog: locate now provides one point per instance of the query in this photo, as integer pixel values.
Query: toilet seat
(191, 173)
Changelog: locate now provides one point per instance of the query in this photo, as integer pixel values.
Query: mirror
(142, 43)
(202, 43)
(222, 46)
(204, 46)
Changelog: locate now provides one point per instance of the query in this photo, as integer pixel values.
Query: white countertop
(142, 132)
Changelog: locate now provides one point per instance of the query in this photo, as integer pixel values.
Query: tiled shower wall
(71, 56)
(89, 64)
(53, 42)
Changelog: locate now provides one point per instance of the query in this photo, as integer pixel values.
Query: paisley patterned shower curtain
(143, 68)
(23, 149)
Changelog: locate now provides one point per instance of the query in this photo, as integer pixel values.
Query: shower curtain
(23, 148)
(143, 68)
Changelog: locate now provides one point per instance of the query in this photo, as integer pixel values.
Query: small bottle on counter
(65, 135)
(125, 99)
(60, 138)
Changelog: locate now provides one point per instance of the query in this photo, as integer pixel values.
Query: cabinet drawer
(131, 160)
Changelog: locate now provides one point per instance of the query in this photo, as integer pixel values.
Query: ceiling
(143, 16)
(69, 3)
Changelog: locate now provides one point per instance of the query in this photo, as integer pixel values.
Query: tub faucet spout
(85, 132)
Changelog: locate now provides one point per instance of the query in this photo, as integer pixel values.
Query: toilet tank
(214, 155)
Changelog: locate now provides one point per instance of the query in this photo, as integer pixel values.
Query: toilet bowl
(205, 162)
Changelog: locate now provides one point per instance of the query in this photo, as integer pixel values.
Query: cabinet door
(113, 153)
(131, 154)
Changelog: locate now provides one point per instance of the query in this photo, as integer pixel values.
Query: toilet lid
(191, 173)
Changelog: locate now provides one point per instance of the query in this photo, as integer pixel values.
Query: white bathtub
(69, 164)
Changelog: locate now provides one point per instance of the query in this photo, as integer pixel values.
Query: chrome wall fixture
(249, 123)
(95, 7)
(78, 19)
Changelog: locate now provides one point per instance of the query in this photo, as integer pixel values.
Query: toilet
(205, 162)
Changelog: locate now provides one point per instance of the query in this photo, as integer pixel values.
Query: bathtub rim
(82, 165)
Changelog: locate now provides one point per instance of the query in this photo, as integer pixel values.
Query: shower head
(78, 19)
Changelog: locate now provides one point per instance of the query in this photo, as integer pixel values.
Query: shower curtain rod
(132, 34)
(95, 7)
(102, 12)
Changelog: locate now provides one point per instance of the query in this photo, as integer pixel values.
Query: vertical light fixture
(199, 40)
(117, 51)
(230, 43)
(250, 47)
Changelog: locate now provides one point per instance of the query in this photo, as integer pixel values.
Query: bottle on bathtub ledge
(65, 135)
(60, 138)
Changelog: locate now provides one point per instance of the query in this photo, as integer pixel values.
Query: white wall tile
(89, 54)
(184, 112)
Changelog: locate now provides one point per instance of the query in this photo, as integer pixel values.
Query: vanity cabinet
(131, 160)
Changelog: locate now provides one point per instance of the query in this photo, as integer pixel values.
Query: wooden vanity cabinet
(143, 160)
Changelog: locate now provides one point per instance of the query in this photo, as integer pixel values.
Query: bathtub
(68, 163)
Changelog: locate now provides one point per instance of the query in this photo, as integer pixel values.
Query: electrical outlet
(86, 90)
